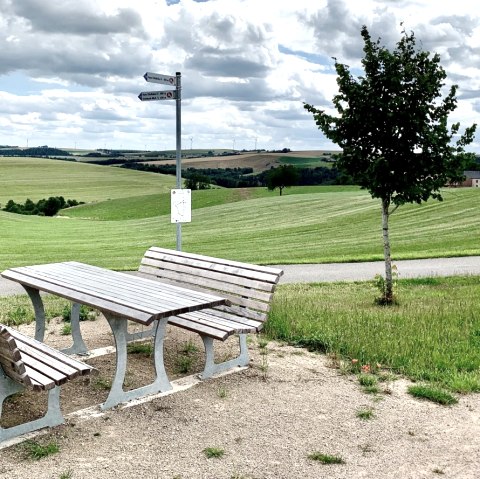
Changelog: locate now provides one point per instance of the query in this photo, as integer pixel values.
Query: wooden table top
(133, 297)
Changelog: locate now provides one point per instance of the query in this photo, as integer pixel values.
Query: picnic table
(121, 297)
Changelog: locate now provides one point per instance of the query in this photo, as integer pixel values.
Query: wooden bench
(27, 363)
(248, 287)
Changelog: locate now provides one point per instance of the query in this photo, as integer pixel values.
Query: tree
(392, 127)
(282, 177)
(197, 181)
(52, 206)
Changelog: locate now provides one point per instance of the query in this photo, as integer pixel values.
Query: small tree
(392, 127)
(197, 181)
(282, 177)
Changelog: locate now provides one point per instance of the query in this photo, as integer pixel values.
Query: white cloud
(71, 70)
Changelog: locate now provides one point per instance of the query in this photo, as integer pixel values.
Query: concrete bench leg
(78, 346)
(39, 312)
(212, 368)
(161, 383)
(52, 418)
(147, 333)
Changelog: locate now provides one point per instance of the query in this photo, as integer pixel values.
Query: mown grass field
(147, 206)
(36, 178)
(323, 224)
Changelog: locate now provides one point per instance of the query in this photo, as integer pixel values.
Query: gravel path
(267, 424)
(269, 418)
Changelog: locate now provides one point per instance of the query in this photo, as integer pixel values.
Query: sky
(71, 70)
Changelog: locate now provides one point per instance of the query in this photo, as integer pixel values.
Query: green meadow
(129, 211)
(37, 178)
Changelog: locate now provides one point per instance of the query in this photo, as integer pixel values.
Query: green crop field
(306, 162)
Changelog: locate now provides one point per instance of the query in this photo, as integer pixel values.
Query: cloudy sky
(71, 70)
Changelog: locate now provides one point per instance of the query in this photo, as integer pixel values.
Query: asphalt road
(310, 273)
(415, 268)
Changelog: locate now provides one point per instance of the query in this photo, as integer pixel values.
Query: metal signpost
(180, 199)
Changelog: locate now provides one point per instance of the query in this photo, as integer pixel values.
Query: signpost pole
(180, 199)
(179, 150)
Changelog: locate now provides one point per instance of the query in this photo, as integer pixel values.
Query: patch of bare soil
(257, 161)
(267, 420)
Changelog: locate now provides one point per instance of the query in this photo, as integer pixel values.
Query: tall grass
(432, 335)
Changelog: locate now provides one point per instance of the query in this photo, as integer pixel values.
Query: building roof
(474, 175)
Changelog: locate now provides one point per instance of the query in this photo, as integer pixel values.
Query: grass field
(323, 224)
(147, 206)
(335, 226)
(306, 162)
(36, 178)
(433, 335)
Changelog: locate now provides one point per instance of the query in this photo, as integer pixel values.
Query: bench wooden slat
(134, 294)
(9, 354)
(248, 287)
(199, 328)
(81, 298)
(40, 381)
(274, 272)
(245, 301)
(262, 294)
(11, 359)
(51, 362)
(248, 313)
(79, 366)
(207, 273)
(46, 371)
(254, 323)
(222, 324)
(217, 323)
(22, 379)
(7, 362)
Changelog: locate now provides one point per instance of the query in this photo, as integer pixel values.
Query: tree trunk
(388, 293)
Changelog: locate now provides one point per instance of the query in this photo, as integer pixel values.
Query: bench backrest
(34, 364)
(249, 287)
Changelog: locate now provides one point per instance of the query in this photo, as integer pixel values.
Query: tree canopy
(282, 177)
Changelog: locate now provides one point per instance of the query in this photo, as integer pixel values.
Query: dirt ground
(267, 419)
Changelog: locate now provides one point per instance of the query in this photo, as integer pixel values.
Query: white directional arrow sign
(159, 78)
(158, 95)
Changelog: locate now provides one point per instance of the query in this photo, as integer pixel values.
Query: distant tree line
(36, 151)
(200, 178)
(44, 207)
